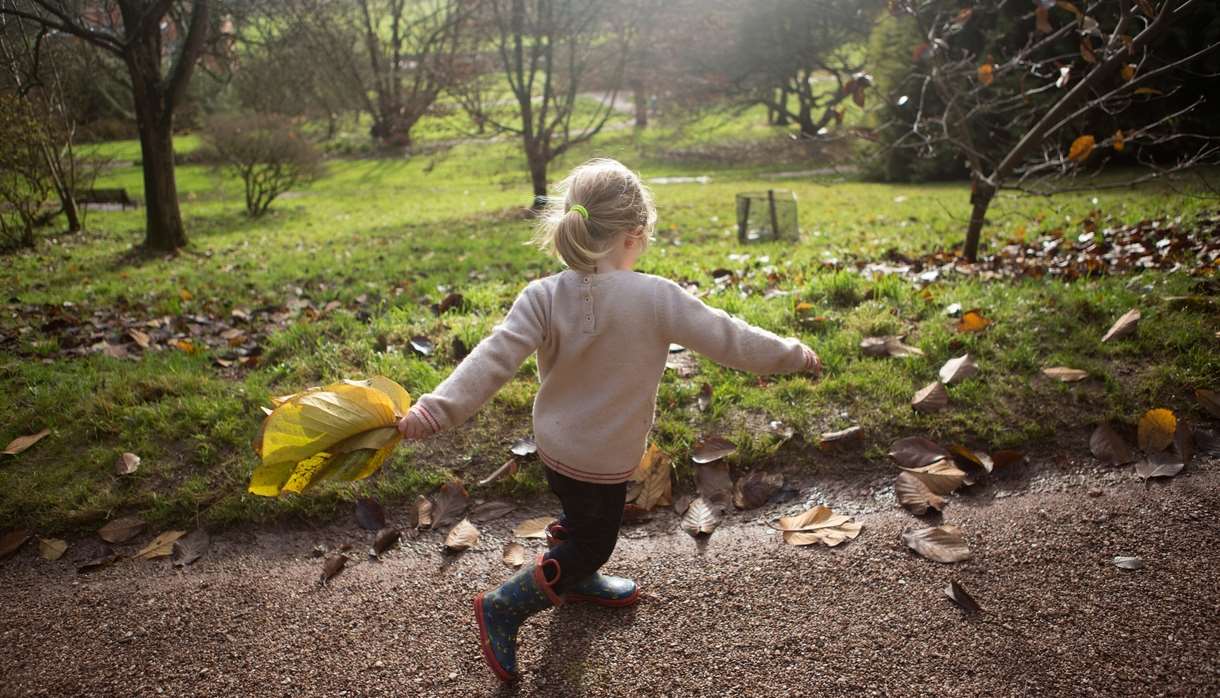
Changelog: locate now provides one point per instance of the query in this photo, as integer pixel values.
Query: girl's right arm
(725, 339)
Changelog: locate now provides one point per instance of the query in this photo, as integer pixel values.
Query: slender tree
(548, 52)
(159, 43)
(1062, 90)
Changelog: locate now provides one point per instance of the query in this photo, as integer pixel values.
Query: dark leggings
(592, 514)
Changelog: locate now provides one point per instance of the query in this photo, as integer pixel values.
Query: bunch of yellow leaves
(342, 431)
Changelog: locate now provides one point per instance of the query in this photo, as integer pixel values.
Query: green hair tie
(584, 212)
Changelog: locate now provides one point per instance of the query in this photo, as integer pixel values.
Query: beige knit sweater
(602, 341)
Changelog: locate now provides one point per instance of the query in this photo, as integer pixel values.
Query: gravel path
(742, 615)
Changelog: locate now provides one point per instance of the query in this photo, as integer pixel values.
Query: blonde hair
(615, 200)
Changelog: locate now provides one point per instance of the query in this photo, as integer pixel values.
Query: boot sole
(488, 656)
(608, 603)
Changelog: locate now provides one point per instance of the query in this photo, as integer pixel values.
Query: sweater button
(586, 279)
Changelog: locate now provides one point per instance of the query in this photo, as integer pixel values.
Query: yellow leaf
(986, 73)
(803, 307)
(185, 345)
(185, 295)
(343, 431)
(1081, 148)
(1148, 91)
(1119, 143)
(1128, 71)
(972, 321)
(161, 546)
(1156, 430)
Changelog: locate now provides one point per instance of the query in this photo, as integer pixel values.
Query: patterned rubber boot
(501, 612)
(597, 588)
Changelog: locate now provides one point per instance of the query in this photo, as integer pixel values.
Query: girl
(602, 333)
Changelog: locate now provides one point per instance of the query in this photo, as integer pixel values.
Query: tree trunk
(68, 201)
(805, 119)
(981, 200)
(164, 220)
(537, 164)
(781, 116)
(641, 103)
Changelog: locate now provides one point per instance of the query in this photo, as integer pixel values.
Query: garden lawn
(386, 238)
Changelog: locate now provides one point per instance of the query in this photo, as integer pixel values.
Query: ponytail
(593, 204)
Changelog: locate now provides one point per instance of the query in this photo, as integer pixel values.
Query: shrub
(25, 177)
(267, 151)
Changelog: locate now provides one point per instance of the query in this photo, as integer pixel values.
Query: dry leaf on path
(917, 451)
(121, 530)
(533, 528)
(1108, 447)
(126, 464)
(513, 555)
(1006, 458)
(704, 400)
(161, 546)
(421, 513)
(932, 398)
(957, 370)
(1128, 563)
(753, 490)
(369, 514)
(449, 504)
(1184, 441)
(938, 543)
(507, 470)
(52, 548)
(942, 477)
(713, 483)
(972, 321)
(189, 549)
(1156, 430)
(1160, 464)
(1124, 326)
(701, 518)
(913, 494)
(818, 525)
(958, 595)
(331, 567)
(1063, 374)
(461, 537)
(490, 511)
(96, 558)
(712, 448)
(11, 541)
(1209, 400)
(971, 459)
(21, 443)
(653, 483)
(524, 447)
(682, 503)
(851, 434)
(386, 538)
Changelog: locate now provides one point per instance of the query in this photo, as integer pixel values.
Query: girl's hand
(814, 363)
(413, 427)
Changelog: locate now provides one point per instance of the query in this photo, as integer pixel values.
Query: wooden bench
(106, 196)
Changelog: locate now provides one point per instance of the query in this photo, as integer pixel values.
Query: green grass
(405, 231)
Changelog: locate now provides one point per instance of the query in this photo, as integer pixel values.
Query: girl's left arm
(492, 363)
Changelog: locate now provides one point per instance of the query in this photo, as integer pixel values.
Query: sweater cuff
(427, 417)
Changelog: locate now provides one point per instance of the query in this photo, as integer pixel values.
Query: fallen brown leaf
(1209, 400)
(1159, 464)
(12, 541)
(704, 400)
(1006, 458)
(888, 345)
(653, 484)
(490, 511)
(701, 518)
(126, 464)
(449, 504)
(1063, 374)
(21, 443)
(712, 448)
(507, 470)
(96, 558)
(913, 494)
(958, 370)
(931, 398)
(513, 554)
(1124, 326)
(941, 477)
(818, 525)
(421, 513)
(52, 548)
(1108, 447)
(940, 543)
(533, 528)
(917, 451)
(958, 595)
(844, 436)
(463, 536)
(161, 546)
(369, 514)
(386, 538)
(713, 483)
(1128, 563)
(753, 490)
(968, 458)
(972, 321)
(331, 567)
(189, 549)
(121, 530)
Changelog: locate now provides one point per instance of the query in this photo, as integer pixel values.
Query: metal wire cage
(767, 216)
